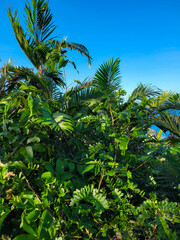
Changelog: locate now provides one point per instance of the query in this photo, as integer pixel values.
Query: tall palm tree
(46, 54)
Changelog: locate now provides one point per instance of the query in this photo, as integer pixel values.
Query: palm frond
(169, 174)
(83, 97)
(172, 103)
(80, 85)
(163, 97)
(43, 81)
(57, 121)
(54, 76)
(144, 91)
(107, 77)
(167, 122)
(22, 38)
(39, 20)
(57, 95)
(77, 47)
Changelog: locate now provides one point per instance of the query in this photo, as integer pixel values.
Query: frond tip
(107, 77)
(143, 90)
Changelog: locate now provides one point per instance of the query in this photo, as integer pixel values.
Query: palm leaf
(107, 77)
(83, 94)
(172, 103)
(57, 121)
(22, 38)
(61, 46)
(144, 91)
(39, 20)
(77, 47)
(167, 122)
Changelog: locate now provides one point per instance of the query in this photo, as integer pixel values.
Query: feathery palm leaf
(87, 83)
(58, 121)
(39, 47)
(43, 81)
(167, 122)
(163, 97)
(107, 77)
(78, 47)
(23, 40)
(167, 100)
(83, 94)
(144, 91)
(86, 96)
(39, 20)
(61, 47)
(172, 103)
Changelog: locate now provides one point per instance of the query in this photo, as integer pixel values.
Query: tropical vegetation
(83, 162)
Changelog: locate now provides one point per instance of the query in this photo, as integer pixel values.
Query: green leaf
(28, 228)
(45, 224)
(25, 115)
(64, 121)
(3, 215)
(46, 175)
(59, 167)
(67, 176)
(71, 166)
(38, 147)
(123, 145)
(159, 134)
(27, 152)
(17, 164)
(58, 121)
(33, 139)
(49, 167)
(25, 237)
(88, 168)
(30, 104)
(33, 216)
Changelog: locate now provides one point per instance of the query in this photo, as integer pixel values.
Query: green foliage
(83, 164)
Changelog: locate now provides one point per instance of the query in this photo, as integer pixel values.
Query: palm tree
(46, 54)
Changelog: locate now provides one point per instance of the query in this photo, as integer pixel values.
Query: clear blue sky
(144, 34)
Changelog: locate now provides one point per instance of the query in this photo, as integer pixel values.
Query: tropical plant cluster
(83, 162)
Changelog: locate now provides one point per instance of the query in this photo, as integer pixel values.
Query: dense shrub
(84, 164)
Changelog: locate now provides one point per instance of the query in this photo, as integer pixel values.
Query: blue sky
(144, 34)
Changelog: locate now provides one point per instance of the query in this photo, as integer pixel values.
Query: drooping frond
(42, 81)
(22, 38)
(107, 77)
(78, 47)
(81, 85)
(18, 73)
(163, 97)
(144, 91)
(62, 47)
(167, 122)
(55, 77)
(172, 103)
